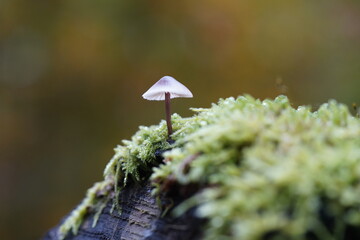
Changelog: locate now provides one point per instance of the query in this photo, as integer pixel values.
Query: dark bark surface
(140, 219)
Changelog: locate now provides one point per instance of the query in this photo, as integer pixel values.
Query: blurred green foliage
(267, 170)
(72, 74)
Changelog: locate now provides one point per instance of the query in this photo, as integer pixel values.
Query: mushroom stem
(168, 113)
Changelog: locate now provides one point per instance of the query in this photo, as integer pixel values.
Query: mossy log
(140, 218)
(242, 169)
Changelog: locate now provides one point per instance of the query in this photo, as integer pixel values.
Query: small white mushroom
(164, 85)
(165, 89)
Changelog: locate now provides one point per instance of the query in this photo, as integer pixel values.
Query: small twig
(185, 165)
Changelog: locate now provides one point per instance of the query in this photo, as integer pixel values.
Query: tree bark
(140, 219)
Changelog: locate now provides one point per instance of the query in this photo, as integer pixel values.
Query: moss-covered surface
(262, 169)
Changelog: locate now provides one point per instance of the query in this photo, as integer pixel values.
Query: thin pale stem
(168, 113)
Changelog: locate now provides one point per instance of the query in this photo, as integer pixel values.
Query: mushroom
(165, 89)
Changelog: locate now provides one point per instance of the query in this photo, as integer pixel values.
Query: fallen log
(242, 169)
(140, 218)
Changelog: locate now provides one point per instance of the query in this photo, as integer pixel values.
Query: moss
(96, 198)
(132, 161)
(264, 169)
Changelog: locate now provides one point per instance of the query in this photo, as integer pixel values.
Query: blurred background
(72, 73)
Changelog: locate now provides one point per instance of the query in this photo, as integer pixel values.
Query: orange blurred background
(72, 74)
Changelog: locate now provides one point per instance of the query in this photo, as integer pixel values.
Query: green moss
(133, 161)
(96, 198)
(265, 169)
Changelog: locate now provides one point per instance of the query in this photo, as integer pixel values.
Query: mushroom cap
(164, 85)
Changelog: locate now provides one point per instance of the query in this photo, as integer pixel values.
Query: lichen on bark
(262, 169)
